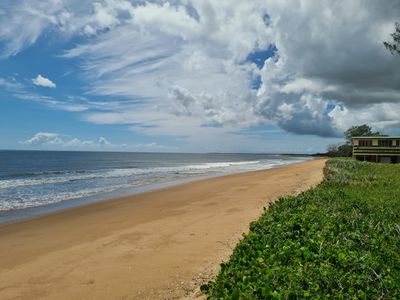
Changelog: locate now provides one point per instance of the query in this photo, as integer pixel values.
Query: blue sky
(196, 76)
(27, 117)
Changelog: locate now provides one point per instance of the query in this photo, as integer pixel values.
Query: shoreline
(28, 213)
(158, 244)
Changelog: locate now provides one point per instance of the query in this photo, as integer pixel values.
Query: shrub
(339, 240)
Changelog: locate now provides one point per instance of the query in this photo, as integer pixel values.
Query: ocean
(37, 182)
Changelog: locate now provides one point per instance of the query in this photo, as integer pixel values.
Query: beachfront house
(384, 149)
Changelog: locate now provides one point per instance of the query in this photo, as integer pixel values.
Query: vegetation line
(339, 240)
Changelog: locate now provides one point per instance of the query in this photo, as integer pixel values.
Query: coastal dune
(157, 245)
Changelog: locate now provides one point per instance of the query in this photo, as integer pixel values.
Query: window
(398, 143)
(365, 143)
(385, 143)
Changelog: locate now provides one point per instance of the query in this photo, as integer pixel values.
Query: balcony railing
(376, 150)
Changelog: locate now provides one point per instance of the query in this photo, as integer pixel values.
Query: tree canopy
(359, 130)
(394, 47)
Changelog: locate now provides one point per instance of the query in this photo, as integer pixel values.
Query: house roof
(376, 137)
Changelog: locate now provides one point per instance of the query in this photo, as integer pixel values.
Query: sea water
(35, 182)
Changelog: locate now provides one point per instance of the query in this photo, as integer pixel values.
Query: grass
(339, 240)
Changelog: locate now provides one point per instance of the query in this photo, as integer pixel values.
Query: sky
(195, 75)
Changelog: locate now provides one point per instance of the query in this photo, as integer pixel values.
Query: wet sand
(157, 245)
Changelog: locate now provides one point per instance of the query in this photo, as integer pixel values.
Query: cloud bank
(203, 69)
(51, 139)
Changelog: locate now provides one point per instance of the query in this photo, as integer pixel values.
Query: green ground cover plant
(339, 240)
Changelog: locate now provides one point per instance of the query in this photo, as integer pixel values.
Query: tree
(334, 150)
(345, 150)
(359, 130)
(394, 47)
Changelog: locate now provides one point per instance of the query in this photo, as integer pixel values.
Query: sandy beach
(156, 245)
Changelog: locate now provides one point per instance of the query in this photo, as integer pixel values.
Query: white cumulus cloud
(189, 62)
(44, 138)
(43, 81)
(103, 141)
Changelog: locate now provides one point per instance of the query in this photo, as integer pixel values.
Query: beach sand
(156, 245)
